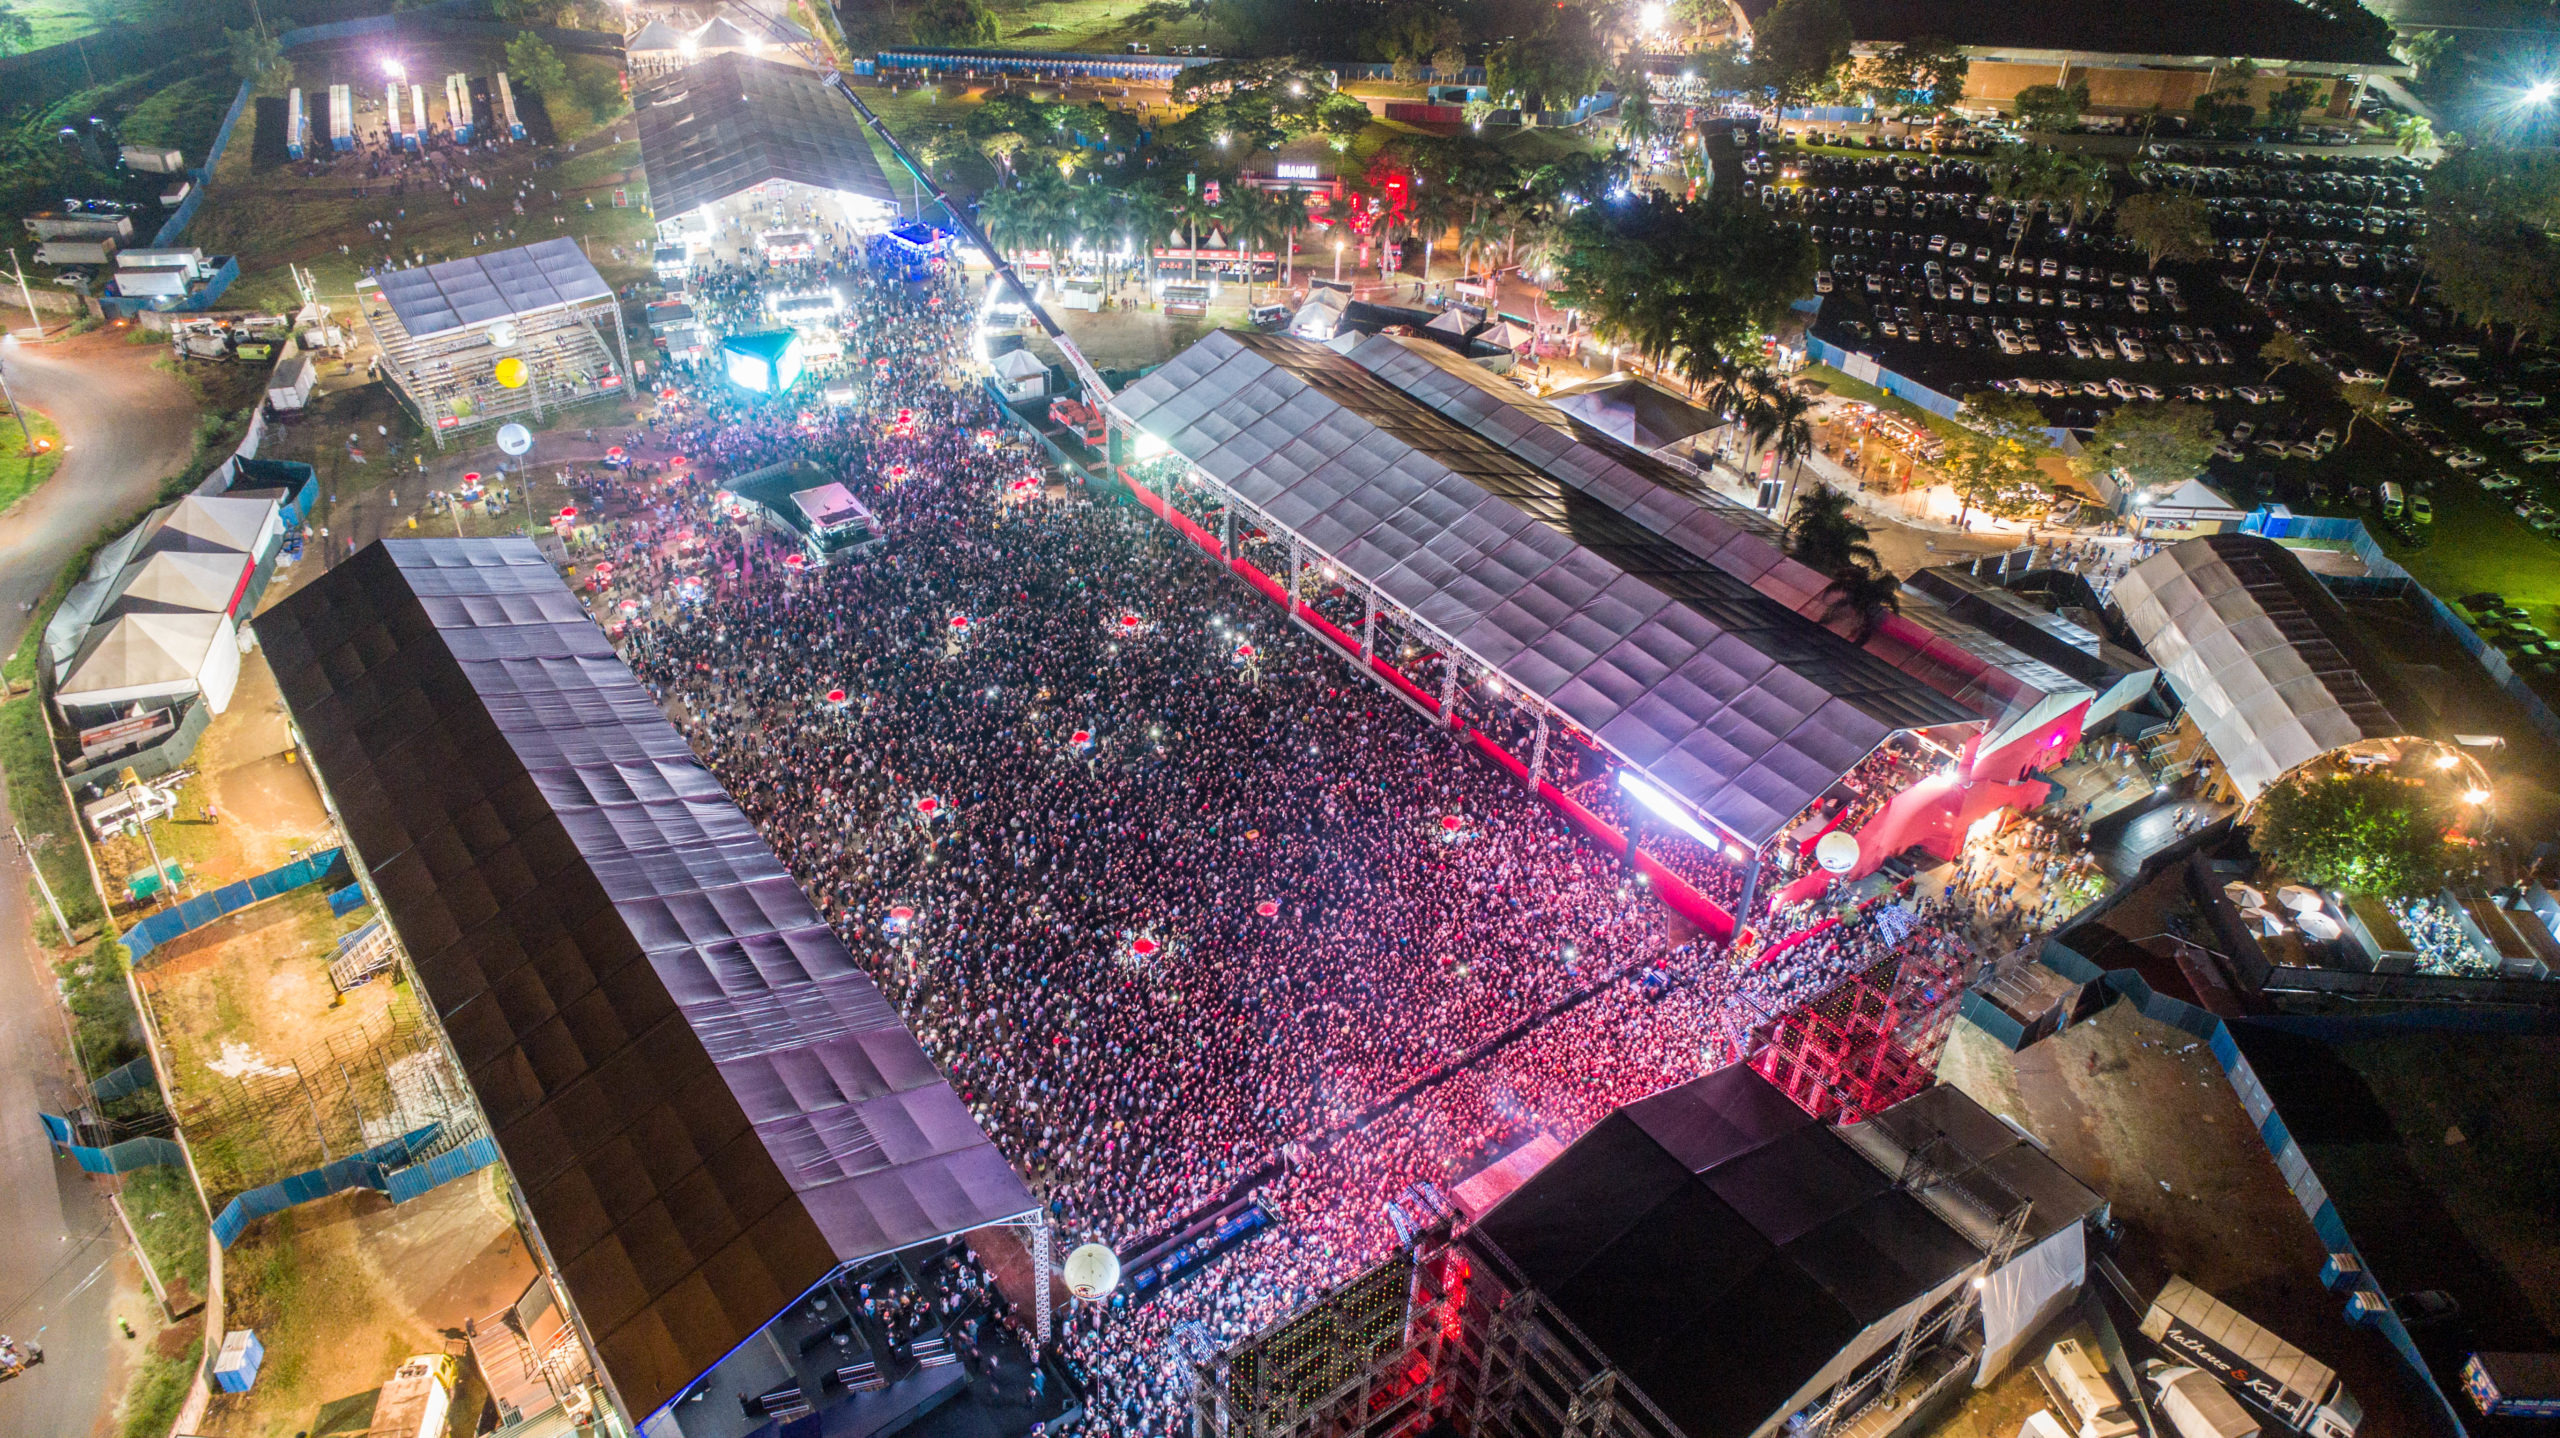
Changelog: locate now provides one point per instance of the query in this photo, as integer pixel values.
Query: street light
(2475, 796)
(2542, 92)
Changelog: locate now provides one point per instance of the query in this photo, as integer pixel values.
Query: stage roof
(434, 298)
(1647, 610)
(707, 1104)
(1721, 1246)
(2268, 662)
(732, 122)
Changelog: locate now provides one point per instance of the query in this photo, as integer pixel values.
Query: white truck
(2194, 1327)
(76, 252)
(2195, 1405)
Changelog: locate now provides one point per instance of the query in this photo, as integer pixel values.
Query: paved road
(125, 425)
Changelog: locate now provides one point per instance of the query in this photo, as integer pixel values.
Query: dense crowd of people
(1173, 898)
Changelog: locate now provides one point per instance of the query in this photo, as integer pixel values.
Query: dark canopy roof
(434, 298)
(733, 122)
(2258, 29)
(1721, 1246)
(707, 1104)
(1647, 610)
(1633, 410)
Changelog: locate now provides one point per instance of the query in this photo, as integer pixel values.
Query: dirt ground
(342, 1290)
(245, 1008)
(2142, 1113)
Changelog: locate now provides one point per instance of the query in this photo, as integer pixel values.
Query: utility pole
(25, 436)
(41, 886)
(34, 321)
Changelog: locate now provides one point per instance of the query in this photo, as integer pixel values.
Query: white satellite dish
(1836, 851)
(1092, 1271)
(502, 333)
(514, 438)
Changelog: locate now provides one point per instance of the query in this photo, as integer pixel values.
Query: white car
(2543, 454)
(2147, 392)
(2466, 459)
(2132, 350)
(2446, 379)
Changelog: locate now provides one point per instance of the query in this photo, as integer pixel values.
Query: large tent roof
(705, 1101)
(1721, 1246)
(2268, 662)
(140, 651)
(2264, 30)
(434, 298)
(733, 122)
(1607, 584)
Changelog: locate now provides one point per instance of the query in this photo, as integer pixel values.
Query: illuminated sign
(1296, 170)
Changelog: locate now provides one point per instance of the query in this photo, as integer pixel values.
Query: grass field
(25, 466)
(56, 21)
(159, 1387)
(170, 1220)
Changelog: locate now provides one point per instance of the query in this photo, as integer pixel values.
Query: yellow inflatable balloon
(511, 372)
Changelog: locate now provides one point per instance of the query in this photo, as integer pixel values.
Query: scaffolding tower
(448, 381)
(1871, 1040)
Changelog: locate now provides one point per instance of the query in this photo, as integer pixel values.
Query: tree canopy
(2489, 239)
(1797, 45)
(2050, 107)
(533, 64)
(2152, 444)
(1686, 282)
(1991, 459)
(1922, 76)
(2166, 226)
(953, 22)
(1552, 66)
(2367, 833)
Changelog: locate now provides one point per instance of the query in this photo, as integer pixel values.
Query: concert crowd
(1179, 904)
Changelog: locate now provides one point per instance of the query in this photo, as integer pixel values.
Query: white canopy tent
(142, 657)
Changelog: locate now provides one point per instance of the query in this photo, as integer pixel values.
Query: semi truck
(76, 252)
(2194, 1327)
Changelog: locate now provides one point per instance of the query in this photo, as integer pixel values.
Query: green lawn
(56, 21)
(25, 466)
(169, 1218)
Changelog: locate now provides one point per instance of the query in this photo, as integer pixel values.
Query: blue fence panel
(122, 1157)
(136, 1075)
(203, 909)
(404, 1184)
(368, 1169)
(347, 900)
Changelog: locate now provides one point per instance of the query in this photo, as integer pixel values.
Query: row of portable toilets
(405, 114)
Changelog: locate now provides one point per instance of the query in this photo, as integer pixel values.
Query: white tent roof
(1020, 364)
(201, 523)
(1452, 322)
(1536, 551)
(142, 651)
(2268, 662)
(719, 33)
(179, 582)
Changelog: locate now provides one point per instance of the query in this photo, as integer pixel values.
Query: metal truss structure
(448, 380)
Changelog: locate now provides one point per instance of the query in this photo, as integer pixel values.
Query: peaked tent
(719, 35)
(180, 583)
(655, 38)
(201, 524)
(154, 656)
(1633, 411)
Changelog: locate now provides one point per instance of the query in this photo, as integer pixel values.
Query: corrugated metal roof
(474, 290)
(1598, 579)
(708, 1105)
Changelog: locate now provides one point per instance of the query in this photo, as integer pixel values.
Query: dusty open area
(343, 1289)
(2142, 1114)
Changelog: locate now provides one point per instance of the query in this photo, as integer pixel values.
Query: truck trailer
(2194, 1327)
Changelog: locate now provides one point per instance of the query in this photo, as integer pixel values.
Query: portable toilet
(457, 106)
(507, 107)
(396, 133)
(235, 1368)
(342, 118)
(297, 125)
(418, 117)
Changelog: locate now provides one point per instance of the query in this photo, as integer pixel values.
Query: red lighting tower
(1871, 1040)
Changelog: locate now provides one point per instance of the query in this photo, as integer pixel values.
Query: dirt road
(124, 426)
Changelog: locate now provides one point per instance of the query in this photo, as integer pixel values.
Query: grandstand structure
(513, 334)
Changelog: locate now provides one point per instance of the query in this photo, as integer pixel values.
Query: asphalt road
(124, 425)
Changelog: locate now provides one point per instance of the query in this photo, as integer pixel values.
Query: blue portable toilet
(236, 1367)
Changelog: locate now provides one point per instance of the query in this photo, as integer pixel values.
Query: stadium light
(1667, 809)
(2542, 92)
(2475, 796)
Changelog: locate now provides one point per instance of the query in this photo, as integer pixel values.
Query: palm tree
(1782, 421)
(1824, 533)
(1866, 590)
(1146, 215)
(1254, 220)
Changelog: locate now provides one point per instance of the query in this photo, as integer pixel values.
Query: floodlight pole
(25, 436)
(34, 321)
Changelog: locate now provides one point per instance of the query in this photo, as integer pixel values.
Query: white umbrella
(2243, 896)
(2298, 898)
(2318, 925)
(2265, 919)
